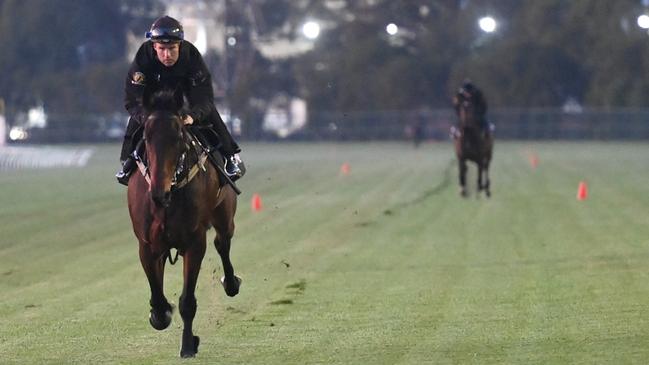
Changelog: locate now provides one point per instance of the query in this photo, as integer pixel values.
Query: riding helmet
(467, 86)
(166, 30)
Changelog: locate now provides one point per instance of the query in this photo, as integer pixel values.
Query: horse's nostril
(156, 199)
(161, 198)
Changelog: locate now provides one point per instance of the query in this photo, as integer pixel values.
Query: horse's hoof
(193, 351)
(231, 289)
(464, 193)
(160, 323)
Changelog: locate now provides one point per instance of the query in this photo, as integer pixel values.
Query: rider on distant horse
(470, 92)
(166, 60)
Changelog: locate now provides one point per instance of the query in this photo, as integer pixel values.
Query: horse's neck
(469, 124)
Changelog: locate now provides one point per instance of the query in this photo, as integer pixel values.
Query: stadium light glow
(488, 24)
(392, 29)
(643, 21)
(18, 134)
(311, 30)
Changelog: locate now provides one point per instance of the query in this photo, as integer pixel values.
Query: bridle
(183, 174)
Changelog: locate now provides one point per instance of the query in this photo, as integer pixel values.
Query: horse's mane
(165, 100)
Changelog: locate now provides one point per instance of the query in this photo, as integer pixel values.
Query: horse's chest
(176, 228)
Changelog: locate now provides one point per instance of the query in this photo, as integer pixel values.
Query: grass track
(384, 266)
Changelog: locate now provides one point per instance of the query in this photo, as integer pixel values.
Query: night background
(357, 236)
(371, 64)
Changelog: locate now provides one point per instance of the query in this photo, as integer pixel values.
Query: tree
(53, 48)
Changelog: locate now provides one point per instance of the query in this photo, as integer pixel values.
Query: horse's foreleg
(192, 259)
(462, 168)
(153, 265)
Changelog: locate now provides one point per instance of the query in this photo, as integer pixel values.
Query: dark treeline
(71, 54)
(543, 53)
(67, 54)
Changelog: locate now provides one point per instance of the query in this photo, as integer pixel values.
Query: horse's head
(468, 112)
(163, 133)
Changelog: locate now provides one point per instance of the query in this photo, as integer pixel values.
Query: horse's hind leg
(192, 259)
(230, 281)
(224, 225)
(462, 168)
(153, 265)
(480, 184)
(487, 182)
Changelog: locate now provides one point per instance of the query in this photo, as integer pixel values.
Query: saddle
(487, 130)
(210, 143)
(208, 139)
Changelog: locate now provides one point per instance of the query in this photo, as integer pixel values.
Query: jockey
(468, 91)
(166, 60)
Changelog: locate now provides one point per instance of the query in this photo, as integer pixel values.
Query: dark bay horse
(172, 202)
(472, 143)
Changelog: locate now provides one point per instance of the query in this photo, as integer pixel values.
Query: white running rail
(20, 157)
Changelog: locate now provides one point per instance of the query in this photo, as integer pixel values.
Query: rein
(180, 165)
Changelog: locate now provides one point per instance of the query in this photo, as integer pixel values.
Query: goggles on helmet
(165, 34)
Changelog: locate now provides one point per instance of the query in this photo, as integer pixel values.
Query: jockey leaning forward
(167, 61)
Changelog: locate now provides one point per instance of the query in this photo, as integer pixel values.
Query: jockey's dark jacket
(478, 100)
(147, 75)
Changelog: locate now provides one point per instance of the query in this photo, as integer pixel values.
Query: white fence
(18, 157)
(511, 123)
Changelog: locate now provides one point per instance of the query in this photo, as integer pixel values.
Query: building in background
(205, 27)
(202, 21)
(285, 116)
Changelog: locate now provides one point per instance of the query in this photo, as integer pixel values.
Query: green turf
(385, 265)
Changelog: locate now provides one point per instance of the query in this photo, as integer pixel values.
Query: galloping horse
(172, 203)
(473, 144)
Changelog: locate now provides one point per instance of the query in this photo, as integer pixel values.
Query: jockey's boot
(234, 167)
(127, 167)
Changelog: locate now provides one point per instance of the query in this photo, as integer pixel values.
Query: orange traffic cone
(534, 160)
(345, 169)
(255, 204)
(582, 191)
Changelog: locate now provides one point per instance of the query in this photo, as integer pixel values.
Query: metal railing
(510, 123)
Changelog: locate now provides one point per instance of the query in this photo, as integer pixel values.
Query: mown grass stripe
(361, 268)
